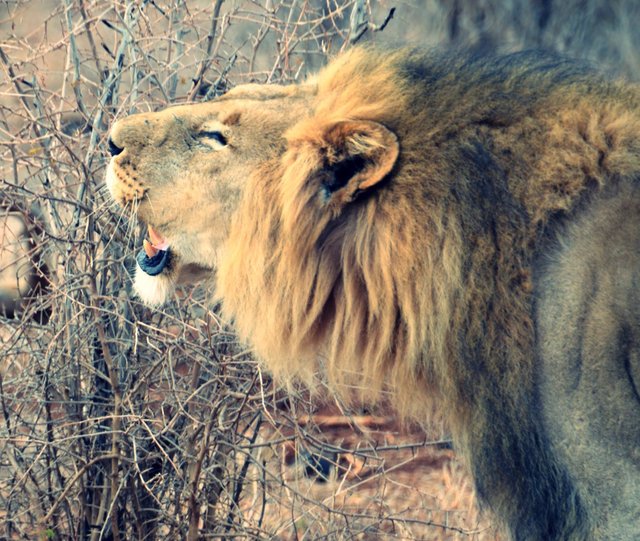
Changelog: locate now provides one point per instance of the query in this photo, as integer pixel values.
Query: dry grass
(121, 423)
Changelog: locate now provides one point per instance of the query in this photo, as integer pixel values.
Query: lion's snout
(114, 149)
(124, 144)
(132, 142)
(123, 181)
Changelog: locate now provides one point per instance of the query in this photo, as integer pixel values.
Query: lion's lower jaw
(153, 290)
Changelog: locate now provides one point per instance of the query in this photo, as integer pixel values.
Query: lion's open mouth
(155, 254)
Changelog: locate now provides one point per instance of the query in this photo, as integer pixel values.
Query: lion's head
(160, 160)
(248, 186)
(390, 217)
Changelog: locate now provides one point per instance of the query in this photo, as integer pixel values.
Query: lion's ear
(358, 154)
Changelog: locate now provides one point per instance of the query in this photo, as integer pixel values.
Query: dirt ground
(365, 478)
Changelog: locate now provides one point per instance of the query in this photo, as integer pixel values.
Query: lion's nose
(114, 149)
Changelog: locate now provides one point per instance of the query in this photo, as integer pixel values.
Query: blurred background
(118, 422)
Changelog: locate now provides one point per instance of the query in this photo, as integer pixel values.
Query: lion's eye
(213, 138)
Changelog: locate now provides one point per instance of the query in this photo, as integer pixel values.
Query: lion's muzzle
(123, 181)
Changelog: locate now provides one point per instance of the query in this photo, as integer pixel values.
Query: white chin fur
(153, 290)
(110, 178)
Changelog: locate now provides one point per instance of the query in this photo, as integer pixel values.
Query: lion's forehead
(242, 108)
(269, 92)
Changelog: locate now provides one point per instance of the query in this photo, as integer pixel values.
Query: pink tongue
(162, 246)
(157, 240)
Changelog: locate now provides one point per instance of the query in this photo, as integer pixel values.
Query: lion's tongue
(157, 240)
(154, 255)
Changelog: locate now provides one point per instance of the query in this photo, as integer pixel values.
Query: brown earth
(385, 482)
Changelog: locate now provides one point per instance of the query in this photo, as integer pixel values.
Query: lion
(448, 228)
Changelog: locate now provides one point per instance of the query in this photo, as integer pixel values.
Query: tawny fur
(392, 280)
(418, 282)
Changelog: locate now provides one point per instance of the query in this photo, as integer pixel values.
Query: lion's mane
(424, 287)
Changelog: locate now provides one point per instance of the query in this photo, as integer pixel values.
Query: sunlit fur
(423, 286)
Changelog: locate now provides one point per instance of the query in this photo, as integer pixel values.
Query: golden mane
(378, 298)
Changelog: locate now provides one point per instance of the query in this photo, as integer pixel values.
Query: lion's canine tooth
(149, 248)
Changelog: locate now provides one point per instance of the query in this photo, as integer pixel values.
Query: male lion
(457, 229)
